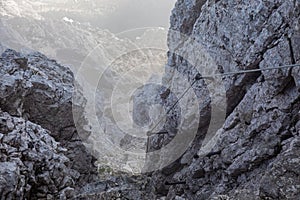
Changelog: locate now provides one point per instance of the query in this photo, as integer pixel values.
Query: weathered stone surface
(32, 163)
(121, 186)
(254, 155)
(36, 89)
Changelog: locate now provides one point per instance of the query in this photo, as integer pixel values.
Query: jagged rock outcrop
(32, 163)
(119, 186)
(42, 156)
(37, 112)
(255, 153)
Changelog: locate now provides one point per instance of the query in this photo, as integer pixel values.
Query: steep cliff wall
(255, 153)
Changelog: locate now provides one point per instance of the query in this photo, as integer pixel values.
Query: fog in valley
(122, 15)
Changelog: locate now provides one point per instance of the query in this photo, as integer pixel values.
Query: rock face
(33, 164)
(119, 187)
(255, 153)
(247, 141)
(36, 113)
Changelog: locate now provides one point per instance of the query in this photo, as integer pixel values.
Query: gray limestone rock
(35, 89)
(32, 163)
(254, 154)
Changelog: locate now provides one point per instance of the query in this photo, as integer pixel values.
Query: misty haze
(126, 15)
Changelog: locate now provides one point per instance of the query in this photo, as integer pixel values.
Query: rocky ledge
(41, 153)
